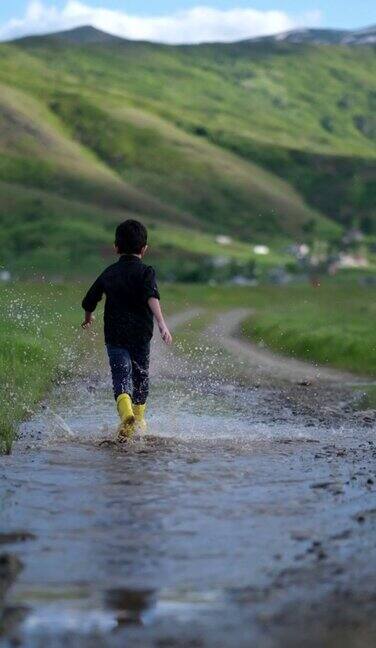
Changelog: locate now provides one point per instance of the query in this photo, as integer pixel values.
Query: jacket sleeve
(150, 288)
(93, 295)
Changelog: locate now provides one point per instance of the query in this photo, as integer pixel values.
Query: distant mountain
(85, 35)
(324, 37)
(314, 36)
(361, 37)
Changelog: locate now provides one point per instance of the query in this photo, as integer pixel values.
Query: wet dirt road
(245, 517)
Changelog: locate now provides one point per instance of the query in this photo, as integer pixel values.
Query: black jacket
(127, 284)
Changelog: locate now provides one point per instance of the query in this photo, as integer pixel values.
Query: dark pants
(130, 371)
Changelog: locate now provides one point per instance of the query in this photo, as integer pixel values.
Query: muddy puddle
(237, 519)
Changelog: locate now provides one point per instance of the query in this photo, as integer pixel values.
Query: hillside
(263, 140)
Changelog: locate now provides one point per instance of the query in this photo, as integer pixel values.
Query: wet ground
(245, 517)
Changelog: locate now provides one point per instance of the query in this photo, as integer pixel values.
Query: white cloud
(194, 25)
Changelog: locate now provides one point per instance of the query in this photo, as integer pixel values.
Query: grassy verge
(38, 341)
(333, 324)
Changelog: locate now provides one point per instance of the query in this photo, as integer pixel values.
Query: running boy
(132, 299)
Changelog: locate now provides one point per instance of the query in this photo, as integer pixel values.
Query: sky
(183, 21)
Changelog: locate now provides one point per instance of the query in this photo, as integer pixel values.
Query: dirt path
(263, 363)
(245, 517)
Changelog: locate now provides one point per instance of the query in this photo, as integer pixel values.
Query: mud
(246, 516)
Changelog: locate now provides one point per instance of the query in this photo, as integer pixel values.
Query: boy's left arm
(155, 308)
(90, 301)
(151, 293)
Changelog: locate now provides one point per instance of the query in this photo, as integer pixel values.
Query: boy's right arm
(90, 301)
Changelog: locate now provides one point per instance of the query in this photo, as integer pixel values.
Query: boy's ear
(116, 249)
(144, 250)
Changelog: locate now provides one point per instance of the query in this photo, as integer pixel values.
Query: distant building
(261, 249)
(5, 275)
(240, 280)
(346, 260)
(279, 276)
(220, 262)
(222, 239)
(353, 236)
(299, 250)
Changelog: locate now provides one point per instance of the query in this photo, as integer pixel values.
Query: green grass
(332, 325)
(205, 245)
(224, 138)
(199, 178)
(45, 234)
(245, 96)
(40, 338)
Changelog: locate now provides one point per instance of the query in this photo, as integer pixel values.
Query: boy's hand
(165, 333)
(89, 319)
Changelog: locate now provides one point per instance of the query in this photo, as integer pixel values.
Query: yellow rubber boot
(124, 406)
(139, 414)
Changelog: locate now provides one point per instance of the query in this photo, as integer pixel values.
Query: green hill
(263, 140)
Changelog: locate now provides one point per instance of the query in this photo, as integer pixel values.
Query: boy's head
(131, 237)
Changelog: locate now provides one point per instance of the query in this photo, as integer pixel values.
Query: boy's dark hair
(130, 237)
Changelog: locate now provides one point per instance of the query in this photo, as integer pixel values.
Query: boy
(132, 299)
